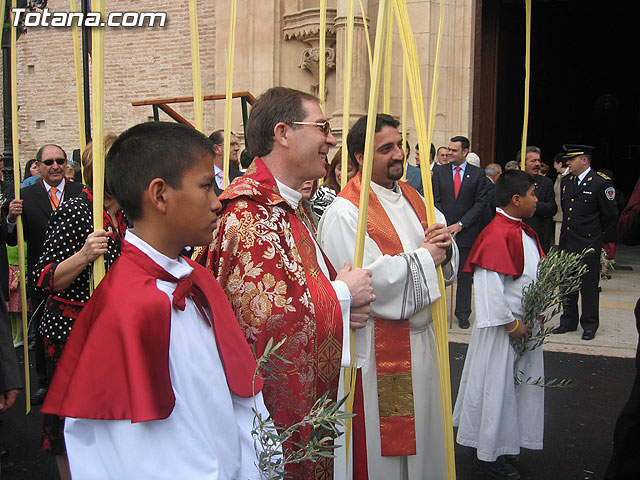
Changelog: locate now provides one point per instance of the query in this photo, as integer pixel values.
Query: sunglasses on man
(324, 126)
(49, 162)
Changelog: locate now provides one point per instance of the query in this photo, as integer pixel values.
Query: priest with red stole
(398, 432)
(277, 279)
(495, 416)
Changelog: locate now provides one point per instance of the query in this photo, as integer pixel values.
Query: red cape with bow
(115, 365)
(499, 247)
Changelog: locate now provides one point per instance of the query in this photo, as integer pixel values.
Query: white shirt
(219, 174)
(60, 189)
(583, 175)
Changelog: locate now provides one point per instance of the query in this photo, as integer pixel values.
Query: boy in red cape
(493, 415)
(157, 380)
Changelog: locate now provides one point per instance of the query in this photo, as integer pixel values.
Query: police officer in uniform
(589, 209)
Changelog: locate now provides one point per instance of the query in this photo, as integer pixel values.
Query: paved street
(617, 335)
(579, 421)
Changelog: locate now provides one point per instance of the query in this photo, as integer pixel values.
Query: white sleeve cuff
(344, 297)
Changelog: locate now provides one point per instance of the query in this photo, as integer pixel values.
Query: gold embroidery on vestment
(395, 394)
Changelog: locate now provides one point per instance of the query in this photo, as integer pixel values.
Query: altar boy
(157, 380)
(493, 415)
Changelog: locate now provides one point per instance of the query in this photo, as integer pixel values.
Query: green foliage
(324, 421)
(559, 275)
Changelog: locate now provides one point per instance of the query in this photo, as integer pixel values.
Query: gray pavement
(617, 335)
(579, 421)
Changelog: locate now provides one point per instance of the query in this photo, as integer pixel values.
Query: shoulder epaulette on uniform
(606, 177)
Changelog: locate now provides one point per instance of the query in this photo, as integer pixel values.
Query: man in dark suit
(588, 209)
(217, 138)
(546, 206)
(459, 191)
(36, 205)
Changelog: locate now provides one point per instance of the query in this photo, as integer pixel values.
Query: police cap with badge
(572, 151)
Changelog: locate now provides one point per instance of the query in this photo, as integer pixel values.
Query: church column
(359, 67)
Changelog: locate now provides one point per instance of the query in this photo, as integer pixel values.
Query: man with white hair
(473, 159)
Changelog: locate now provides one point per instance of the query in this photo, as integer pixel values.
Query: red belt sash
(392, 338)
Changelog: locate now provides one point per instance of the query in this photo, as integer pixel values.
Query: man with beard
(278, 281)
(404, 438)
(546, 206)
(459, 191)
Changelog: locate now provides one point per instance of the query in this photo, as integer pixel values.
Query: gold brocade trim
(329, 356)
(196, 252)
(307, 251)
(395, 394)
(304, 218)
(323, 469)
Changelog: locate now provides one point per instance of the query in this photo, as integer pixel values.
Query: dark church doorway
(584, 87)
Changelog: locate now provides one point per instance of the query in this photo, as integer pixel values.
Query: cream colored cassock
(492, 414)
(405, 286)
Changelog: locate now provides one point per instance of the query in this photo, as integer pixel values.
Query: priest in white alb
(397, 431)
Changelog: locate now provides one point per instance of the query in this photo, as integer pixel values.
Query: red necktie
(457, 181)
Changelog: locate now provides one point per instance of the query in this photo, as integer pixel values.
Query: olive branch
(323, 420)
(559, 275)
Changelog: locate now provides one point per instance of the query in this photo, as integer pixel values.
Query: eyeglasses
(324, 126)
(59, 161)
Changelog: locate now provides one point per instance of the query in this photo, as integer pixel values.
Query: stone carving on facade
(304, 26)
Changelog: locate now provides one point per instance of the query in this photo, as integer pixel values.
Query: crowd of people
(153, 375)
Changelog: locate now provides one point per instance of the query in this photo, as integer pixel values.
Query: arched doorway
(582, 86)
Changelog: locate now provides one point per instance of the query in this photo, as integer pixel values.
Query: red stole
(499, 247)
(115, 365)
(265, 259)
(392, 342)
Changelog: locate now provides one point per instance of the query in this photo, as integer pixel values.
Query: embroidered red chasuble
(265, 259)
(392, 342)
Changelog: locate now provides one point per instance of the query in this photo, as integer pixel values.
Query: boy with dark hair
(493, 415)
(156, 378)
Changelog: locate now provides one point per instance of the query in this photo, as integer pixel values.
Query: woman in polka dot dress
(64, 274)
